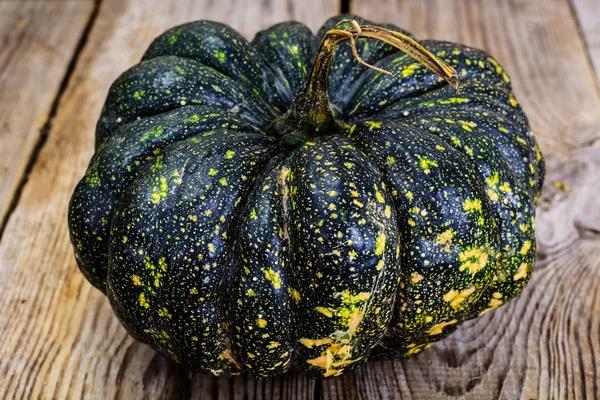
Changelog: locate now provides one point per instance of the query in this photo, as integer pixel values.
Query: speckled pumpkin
(250, 210)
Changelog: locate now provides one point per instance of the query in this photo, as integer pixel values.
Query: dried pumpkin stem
(310, 113)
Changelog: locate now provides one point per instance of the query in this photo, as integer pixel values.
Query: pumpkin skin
(230, 252)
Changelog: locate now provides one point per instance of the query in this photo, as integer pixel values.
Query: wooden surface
(37, 42)
(588, 15)
(58, 335)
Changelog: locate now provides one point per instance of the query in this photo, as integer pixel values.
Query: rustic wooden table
(58, 335)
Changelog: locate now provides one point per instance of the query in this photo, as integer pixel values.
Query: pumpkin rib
(473, 96)
(164, 83)
(389, 144)
(505, 137)
(114, 167)
(410, 79)
(261, 305)
(288, 49)
(224, 49)
(180, 295)
(344, 241)
(512, 203)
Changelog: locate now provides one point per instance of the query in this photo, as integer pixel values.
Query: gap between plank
(318, 389)
(45, 129)
(345, 6)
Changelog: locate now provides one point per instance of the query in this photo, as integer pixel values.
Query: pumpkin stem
(310, 114)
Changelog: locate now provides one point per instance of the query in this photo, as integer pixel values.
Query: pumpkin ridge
(154, 283)
(375, 90)
(107, 177)
(222, 48)
(510, 136)
(329, 234)
(513, 206)
(177, 82)
(289, 50)
(421, 321)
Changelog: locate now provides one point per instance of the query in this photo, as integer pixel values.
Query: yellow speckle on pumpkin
(295, 294)
(445, 237)
(261, 323)
(525, 248)
(143, 302)
(473, 260)
(425, 163)
(523, 227)
(378, 195)
(438, 329)
(388, 211)
(274, 277)
(373, 125)
(493, 180)
(325, 311)
(505, 188)
(472, 205)
(416, 277)
(136, 280)
(521, 272)
(314, 342)
(160, 192)
(453, 100)
(380, 241)
(410, 69)
(455, 297)
(163, 312)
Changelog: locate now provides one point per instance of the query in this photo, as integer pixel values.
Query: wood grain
(58, 335)
(546, 343)
(37, 40)
(588, 15)
(60, 339)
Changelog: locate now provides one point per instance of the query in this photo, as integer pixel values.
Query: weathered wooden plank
(546, 343)
(37, 41)
(588, 15)
(58, 335)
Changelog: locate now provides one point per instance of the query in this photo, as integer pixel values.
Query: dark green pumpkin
(236, 232)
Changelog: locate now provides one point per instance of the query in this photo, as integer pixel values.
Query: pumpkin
(257, 206)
